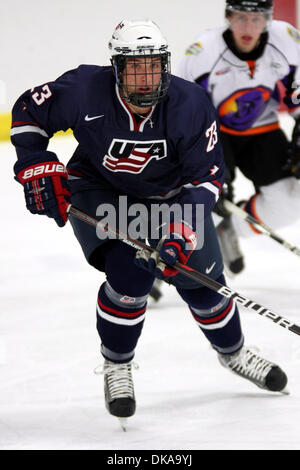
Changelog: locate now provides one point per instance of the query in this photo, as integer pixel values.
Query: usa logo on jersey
(131, 156)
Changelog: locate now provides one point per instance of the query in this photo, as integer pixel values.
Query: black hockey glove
(226, 193)
(293, 163)
(44, 180)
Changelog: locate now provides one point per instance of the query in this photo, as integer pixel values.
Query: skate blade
(155, 294)
(285, 391)
(123, 422)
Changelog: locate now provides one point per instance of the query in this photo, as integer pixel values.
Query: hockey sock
(217, 317)
(120, 320)
(121, 303)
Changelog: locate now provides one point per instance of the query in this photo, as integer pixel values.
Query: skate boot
(232, 255)
(156, 292)
(119, 390)
(254, 368)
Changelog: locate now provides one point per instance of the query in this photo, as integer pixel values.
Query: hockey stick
(189, 272)
(261, 227)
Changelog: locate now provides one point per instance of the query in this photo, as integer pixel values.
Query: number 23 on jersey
(41, 96)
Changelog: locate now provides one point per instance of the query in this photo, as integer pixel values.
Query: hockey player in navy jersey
(150, 138)
(240, 65)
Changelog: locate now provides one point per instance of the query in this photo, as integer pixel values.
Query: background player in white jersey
(151, 137)
(240, 66)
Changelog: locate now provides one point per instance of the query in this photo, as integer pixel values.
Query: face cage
(155, 96)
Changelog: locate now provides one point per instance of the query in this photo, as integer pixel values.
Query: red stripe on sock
(118, 312)
(217, 318)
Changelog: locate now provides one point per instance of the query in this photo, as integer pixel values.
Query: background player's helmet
(140, 39)
(250, 6)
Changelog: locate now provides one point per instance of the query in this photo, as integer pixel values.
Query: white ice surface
(49, 395)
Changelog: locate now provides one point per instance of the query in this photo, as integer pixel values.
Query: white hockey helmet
(141, 38)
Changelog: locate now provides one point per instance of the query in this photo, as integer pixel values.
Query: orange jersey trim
(251, 64)
(253, 210)
(252, 131)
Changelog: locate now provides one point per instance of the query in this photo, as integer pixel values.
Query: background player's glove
(177, 245)
(294, 151)
(226, 193)
(44, 180)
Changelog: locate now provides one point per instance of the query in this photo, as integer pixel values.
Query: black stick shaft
(234, 209)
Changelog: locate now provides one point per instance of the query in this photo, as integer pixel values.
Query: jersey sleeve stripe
(218, 184)
(22, 129)
(171, 193)
(209, 186)
(22, 123)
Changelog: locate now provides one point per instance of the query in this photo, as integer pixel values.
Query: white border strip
(21, 129)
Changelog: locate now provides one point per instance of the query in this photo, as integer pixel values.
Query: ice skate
(232, 255)
(119, 390)
(254, 368)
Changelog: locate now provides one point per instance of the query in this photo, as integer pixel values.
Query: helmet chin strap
(142, 100)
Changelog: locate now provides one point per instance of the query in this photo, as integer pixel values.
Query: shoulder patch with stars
(194, 49)
(294, 33)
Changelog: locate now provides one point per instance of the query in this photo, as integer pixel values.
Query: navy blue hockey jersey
(175, 149)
